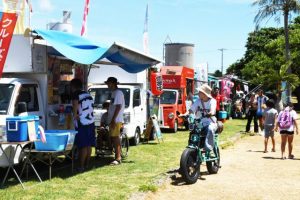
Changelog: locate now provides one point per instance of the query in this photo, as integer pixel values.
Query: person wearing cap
(206, 105)
(115, 116)
(82, 103)
(252, 109)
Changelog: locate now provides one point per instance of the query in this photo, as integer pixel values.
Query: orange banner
(7, 25)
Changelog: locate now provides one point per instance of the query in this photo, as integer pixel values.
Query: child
(287, 124)
(269, 116)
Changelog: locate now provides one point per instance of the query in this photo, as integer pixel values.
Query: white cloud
(45, 5)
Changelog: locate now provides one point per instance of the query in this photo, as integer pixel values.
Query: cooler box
(222, 115)
(17, 128)
(56, 140)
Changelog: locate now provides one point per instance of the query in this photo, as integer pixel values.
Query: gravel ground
(246, 173)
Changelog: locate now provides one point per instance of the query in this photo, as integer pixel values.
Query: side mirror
(21, 107)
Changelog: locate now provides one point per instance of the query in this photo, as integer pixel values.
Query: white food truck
(36, 77)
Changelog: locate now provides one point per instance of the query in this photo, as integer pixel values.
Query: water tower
(64, 26)
(179, 54)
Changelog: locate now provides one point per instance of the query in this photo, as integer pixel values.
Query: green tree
(276, 8)
(270, 67)
(256, 44)
(217, 73)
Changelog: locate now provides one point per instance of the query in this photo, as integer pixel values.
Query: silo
(179, 54)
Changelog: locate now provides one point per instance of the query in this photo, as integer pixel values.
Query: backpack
(285, 119)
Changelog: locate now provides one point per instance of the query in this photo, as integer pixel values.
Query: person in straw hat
(206, 106)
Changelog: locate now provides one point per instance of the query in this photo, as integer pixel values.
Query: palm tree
(274, 8)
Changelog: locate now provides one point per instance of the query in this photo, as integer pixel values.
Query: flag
(85, 13)
(7, 26)
(18, 6)
(145, 34)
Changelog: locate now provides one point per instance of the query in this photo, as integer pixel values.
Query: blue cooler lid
(23, 118)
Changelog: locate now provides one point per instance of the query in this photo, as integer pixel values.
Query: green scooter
(195, 154)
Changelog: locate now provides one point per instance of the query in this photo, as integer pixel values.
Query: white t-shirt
(209, 105)
(294, 117)
(117, 98)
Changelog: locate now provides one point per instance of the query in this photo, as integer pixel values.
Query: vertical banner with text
(7, 25)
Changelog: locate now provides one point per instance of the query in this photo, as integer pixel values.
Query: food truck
(178, 84)
(38, 70)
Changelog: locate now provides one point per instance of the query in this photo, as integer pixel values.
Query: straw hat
(205, 89)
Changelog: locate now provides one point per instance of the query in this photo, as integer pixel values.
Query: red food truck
(178, 84)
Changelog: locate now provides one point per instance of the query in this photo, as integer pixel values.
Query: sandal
(115, 162)
(283, 158)
(273, 150)
(265, 151)
(291, 156)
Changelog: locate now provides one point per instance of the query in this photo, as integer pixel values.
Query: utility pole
(222, 50)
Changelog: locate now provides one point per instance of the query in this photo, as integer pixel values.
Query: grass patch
(148, 188)
(139, 172)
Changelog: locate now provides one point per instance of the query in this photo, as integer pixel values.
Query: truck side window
(136, 98)
(28, 95)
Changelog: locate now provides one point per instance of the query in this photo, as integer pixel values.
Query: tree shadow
(279, 158)
(255, 151)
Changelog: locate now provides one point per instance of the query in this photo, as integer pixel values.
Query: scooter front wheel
(189, 165)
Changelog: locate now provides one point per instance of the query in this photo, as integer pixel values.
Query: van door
(30, 97)
(138, 109)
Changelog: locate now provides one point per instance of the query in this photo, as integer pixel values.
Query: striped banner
(85, 13)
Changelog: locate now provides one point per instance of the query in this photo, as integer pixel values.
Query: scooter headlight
(191, 127)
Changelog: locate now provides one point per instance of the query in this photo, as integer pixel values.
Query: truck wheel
(137, 137)
(174, 130)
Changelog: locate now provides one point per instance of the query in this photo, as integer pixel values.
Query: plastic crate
(56, 140)
(17, 127)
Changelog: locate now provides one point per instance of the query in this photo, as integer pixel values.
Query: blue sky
(209, 24)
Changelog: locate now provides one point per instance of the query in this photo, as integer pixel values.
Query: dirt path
(246, 173)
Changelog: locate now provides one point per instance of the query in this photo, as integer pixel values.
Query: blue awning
(83, 51)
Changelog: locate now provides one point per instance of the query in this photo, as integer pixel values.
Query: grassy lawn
(145, 164)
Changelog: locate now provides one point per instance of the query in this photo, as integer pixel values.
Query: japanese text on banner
(7, 25)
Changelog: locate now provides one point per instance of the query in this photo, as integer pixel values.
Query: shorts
(115, 132)
(285, 132)
(268, 131)
(85, 136)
